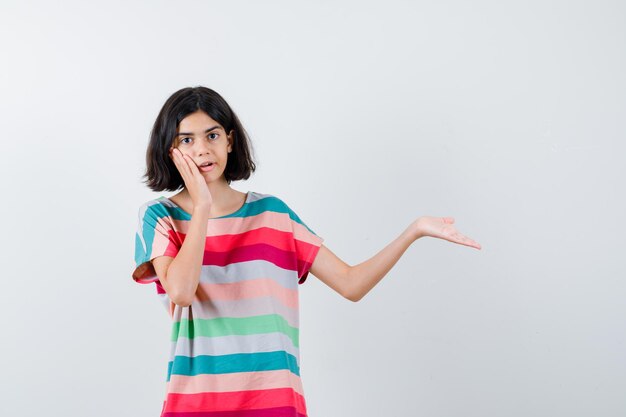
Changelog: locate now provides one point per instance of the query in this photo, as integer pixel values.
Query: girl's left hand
(442, 228)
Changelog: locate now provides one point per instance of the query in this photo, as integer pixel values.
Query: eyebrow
(191, 134)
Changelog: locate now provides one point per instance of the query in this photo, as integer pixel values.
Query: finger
(459, 238)
(187, 163)
(174, 157)
(193, 169)
(183, 168)
(470, 242)
(467, 242)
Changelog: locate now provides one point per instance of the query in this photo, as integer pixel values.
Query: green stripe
(225, 326)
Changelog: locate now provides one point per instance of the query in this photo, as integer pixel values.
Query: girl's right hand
(194, 180)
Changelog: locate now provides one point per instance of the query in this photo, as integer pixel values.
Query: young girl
(227, 266)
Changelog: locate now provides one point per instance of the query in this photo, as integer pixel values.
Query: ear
(231, 140)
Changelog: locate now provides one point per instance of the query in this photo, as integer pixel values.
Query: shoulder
(265, 200)
(156, 208)
(151, 205)
(272, 202)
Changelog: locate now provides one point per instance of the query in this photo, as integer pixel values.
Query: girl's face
(204, 140)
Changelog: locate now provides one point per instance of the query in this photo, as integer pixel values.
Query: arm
(353, 282)
(180, 276)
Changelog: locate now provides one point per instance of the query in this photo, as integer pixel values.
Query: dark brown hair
(161, 173)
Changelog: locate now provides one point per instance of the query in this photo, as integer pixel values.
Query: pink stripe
(302, 234)
(237, 225)
(238, 381)
(261, 251)
(259, 412)
(241, 225)
(259, 236)
(252, 288)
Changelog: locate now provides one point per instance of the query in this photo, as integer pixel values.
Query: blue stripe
(237, 362)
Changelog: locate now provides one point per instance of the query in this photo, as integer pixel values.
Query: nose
(202, 147)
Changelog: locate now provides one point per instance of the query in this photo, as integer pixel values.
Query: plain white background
(508, 116)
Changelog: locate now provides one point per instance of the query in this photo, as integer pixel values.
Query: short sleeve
(306, 243)
(155, 237)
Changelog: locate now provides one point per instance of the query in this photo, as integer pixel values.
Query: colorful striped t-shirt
(235, 349)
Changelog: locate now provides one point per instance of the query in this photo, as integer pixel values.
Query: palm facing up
(442, 228)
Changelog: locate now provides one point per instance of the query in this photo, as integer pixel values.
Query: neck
(221, 193)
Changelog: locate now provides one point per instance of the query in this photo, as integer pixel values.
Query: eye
(183, 140)
(214, 134)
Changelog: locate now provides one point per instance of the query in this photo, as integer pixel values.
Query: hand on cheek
(176, 151)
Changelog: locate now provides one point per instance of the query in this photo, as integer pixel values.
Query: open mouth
(206, 167)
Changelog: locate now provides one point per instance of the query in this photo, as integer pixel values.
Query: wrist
(415, 231)
(201, 210)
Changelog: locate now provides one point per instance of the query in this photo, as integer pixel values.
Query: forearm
(364, 276)
(183, 274)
